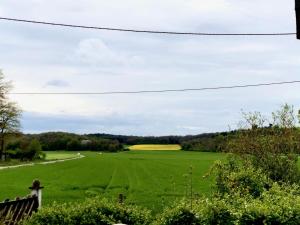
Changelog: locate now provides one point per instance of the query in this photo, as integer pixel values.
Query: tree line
(54, 141)
(210, 142)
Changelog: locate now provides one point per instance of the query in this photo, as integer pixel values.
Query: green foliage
(272, 149)
(92, 211)
(138, 140)
(206, 143)
(278, 205)
(34, 150)
(178, 214)
(238, 176)
(278, 167)
(54, 141)
(73, 145)
(256, 135)
(10, 114)
(25, 149)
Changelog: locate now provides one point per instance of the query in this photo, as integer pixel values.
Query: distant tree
(74, 145)
(33, 151)
(24, 148)
(9, 114)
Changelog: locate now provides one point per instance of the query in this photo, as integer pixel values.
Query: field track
(54, 160)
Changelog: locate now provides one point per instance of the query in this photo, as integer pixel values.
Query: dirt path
(41, 163)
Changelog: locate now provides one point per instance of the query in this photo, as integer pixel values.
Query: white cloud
(96, 53)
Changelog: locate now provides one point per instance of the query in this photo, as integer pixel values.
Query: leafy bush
(279, 205)
(179, 214)
(271, 146)
(278, 167)
(25, 149)
(238, 176)
(33, 151)
(92, 211)
(205, 212)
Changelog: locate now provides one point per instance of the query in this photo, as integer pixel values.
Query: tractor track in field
(111, 179)
(40, 163)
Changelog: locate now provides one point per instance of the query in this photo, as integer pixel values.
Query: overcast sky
(54, 59)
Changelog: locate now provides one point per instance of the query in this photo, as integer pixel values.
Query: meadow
(152, 179)
(60, 155)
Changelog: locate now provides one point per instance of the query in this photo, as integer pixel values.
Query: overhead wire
(151, 32)
(146, 31)
(157, 91)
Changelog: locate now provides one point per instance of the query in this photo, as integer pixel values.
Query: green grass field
(155, 147)
(60, 155)
(149, 178)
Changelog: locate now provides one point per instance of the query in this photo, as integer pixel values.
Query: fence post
(36, 189)
(121, 198)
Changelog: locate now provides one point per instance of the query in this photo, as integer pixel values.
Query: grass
(152, 179)
(60, 155)
(155, 147)
(13, 162)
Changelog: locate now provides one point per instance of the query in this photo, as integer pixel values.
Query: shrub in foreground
(279, 205)
(239, 176)
(179, 214)
(92, 211)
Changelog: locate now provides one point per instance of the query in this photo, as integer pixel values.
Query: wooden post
(121, 198)
(297, 7)
(36, 190)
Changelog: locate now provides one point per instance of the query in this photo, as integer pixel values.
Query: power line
(156, 91)
(146, 31)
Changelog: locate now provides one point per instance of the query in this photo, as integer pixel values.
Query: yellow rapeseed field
(156, 147)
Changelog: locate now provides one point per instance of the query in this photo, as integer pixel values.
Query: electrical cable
(146, 31)
(156, 91)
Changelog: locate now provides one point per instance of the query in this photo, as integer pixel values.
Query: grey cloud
(57, 83)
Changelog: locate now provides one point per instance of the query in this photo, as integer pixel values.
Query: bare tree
(5, 86)
(9, 114)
